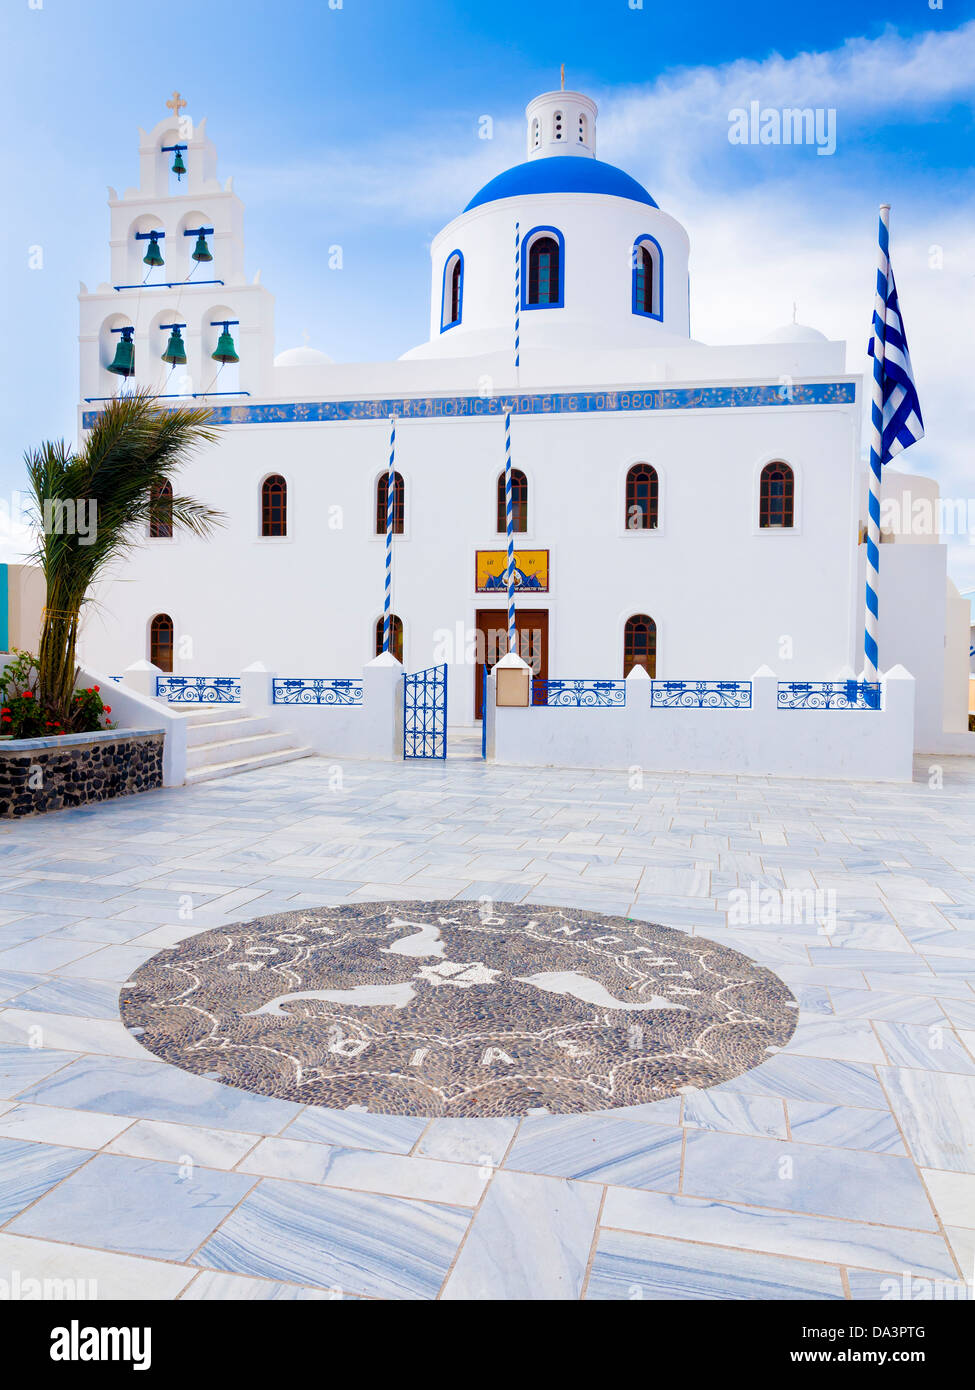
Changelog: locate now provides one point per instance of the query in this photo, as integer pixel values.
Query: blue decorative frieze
(315, 690)
(199, 690)
(700, 694)
(829, 695)
(579, 694)
(551, 403)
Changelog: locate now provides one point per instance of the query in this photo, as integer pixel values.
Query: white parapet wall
(758, 739)
(323, 719)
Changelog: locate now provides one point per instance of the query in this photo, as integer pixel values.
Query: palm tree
(93, 505)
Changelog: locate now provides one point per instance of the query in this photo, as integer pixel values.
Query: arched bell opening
(220, 351)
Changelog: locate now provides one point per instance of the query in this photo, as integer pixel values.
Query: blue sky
(359, 126)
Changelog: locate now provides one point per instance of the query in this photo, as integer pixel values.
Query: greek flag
(902, 423)
(895, 424)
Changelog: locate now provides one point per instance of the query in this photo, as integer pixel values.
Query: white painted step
(225, 730)
(209, 773)
(222, 740)
(232, 750)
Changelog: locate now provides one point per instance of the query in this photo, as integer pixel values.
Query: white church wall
(726, 596)
(858, 745)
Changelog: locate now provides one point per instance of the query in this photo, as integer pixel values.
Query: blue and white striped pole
(517, 298)
(872, 613)
(509, 520)
(390, 503)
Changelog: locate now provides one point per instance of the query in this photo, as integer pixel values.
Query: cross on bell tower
(176, 104)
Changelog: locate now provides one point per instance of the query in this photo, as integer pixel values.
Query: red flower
(108, 709)
(97, 688)
(26, 695)
(6, 719)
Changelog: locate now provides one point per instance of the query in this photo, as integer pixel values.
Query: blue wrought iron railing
(315, 690)
(199, 690)
(700, 694)
(580, 694)
(828, 695)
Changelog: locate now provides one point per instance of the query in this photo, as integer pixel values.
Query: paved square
(841, 1167)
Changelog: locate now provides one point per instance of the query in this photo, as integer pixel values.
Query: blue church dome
(562, 174)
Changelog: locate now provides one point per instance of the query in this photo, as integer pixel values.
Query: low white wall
(861, 745)
(132, 710)
(373, 729)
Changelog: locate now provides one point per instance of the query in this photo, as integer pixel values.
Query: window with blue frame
(453, 292)
(544, 272)
(648, 292)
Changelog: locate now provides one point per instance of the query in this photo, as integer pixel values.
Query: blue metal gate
(425, 713)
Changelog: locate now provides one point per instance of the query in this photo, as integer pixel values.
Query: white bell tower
(561, 123)
(199, 296)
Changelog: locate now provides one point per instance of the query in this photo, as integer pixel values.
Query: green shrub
(23, 714)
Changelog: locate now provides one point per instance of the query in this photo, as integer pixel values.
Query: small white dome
(303, 357)
(796, 333)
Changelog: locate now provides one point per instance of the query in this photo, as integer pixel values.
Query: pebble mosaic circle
(457, 1008)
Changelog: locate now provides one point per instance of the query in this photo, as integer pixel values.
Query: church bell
(201, 252)
(175, 348)
(226, 352)
(123, 364)
(179, 168)
(153, 254)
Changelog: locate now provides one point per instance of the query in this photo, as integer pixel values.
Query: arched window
(543, 269)
(274, 506)
(648, 281)
(399, 504)
(161, 512)
(557, 126)
(536, 133)
(640, 644)
(519, 501)
(161, 642)
(395, 636)
(641, 498)
(776, 508)
(453, 291)
(583, 130)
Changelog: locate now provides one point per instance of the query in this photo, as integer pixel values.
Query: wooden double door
(531, 625)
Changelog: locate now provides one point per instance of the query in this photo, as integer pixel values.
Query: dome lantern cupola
(561, 123)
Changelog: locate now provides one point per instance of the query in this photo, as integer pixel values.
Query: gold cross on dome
(176, 104)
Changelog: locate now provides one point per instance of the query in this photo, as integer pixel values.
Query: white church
(693, 510)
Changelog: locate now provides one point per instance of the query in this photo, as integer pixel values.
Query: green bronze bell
(175, 348)
(123, 364)
(179, 168)
(226, 352)
(153, 254)
(201, 252)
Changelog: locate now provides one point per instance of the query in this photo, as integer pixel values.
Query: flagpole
(509, 519)
(517, 301)
(872, 613)
(390, 506)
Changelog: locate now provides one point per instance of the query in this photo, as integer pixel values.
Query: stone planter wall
(48, 774)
